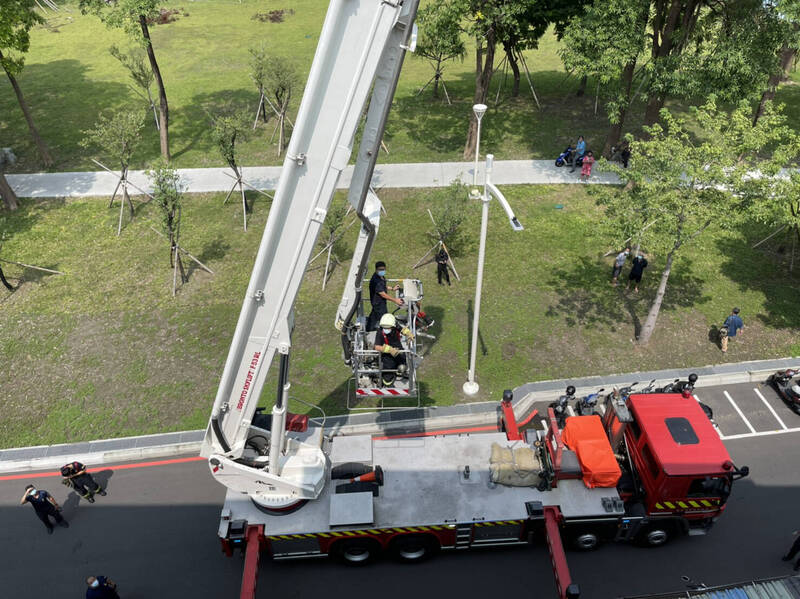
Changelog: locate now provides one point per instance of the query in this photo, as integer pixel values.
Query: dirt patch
(273, 16)
(166, 16)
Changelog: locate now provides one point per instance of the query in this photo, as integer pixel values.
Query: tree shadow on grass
(65, 102)
(587, 299)
(766, 271)
(213, 250)
(195, 123)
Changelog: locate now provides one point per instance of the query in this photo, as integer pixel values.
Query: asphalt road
(155, 534)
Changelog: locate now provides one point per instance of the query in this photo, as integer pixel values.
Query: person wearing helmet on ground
(75, 476)
(378, 294)
(389, 342)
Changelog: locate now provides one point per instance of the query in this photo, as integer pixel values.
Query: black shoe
(64, 523)
(90, 499)
(102, 493)
(49, 530)
(786, 558)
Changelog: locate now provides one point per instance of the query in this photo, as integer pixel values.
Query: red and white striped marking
(381, 392)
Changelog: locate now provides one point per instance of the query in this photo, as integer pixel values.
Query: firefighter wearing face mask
(389, 342)
(378, 294)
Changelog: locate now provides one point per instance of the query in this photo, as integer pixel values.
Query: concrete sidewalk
(199, 180)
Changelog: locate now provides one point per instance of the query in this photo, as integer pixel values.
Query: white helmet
(388, 321)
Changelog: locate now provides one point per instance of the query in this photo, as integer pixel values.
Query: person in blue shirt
(731, 326)
(580, 150)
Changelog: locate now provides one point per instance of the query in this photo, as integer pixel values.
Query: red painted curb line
(119, 467)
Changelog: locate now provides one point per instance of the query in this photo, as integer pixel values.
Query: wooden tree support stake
(55, 272)
(203, 266)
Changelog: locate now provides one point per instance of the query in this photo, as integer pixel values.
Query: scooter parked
(560, 406)
(585, 406)
(787, 387)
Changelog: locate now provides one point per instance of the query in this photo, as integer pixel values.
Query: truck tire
(413, 549)
(584, 540)
(655, 534)
(357, 552)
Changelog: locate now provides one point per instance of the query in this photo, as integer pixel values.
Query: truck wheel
(356, 552)
(413, 549)
(654, 535)
(585, 540)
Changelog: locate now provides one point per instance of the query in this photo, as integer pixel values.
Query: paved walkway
(423, 174)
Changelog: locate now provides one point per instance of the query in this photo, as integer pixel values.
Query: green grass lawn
(105, 350)
(70, 77)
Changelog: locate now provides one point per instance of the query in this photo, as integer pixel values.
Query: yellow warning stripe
(381, 531)
(688, 504)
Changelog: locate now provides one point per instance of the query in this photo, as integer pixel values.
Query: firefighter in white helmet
(388, 341)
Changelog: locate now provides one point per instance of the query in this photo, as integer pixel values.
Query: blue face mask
(381, 273)
(95, 584)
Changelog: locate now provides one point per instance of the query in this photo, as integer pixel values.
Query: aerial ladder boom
(353, 42)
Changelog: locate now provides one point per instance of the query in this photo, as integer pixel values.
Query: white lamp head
(479, 110)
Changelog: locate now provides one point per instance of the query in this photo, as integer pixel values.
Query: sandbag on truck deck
(585, 436)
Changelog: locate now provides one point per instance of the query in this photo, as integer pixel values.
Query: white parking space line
(761, 434)
(738, 411)
(774, 413)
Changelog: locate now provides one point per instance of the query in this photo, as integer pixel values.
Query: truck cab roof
(680, 435)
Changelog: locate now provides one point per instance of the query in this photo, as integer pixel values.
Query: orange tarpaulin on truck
(585, 436)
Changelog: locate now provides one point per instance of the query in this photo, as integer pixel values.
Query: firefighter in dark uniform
(378, 296)
(388, 341)
(45, 507)
(441, 266)
(75, 476)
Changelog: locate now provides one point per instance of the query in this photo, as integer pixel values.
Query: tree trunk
(44, 152)
(436, 78)
(650, 323)
(512, 61)
(673, 23)
(163, 107)
(484, 71)
(582, 86)
(786, 57)
(3, 280)
(8, 195)
(652, 113)
(615, 132)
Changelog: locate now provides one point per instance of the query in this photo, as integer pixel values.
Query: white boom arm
(355, 36)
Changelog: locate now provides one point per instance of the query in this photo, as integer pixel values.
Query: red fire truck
(650, 468)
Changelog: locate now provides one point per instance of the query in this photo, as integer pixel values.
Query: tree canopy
(678, 184)
(17, 17)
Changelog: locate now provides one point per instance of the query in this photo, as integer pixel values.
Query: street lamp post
(479, 110)
(471, 386)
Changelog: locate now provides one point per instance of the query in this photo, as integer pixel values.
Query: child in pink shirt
(586, 169)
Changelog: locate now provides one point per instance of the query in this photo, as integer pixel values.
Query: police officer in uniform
(441, 266)
(45, 507)
(75, 476)
(378, 296)
(388, 341)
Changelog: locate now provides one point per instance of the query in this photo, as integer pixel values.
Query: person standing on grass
(45, 507)
(586, 169)
(441, 266)
(637, 268)
(729, 328)
(580, 149)
(619, 262)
